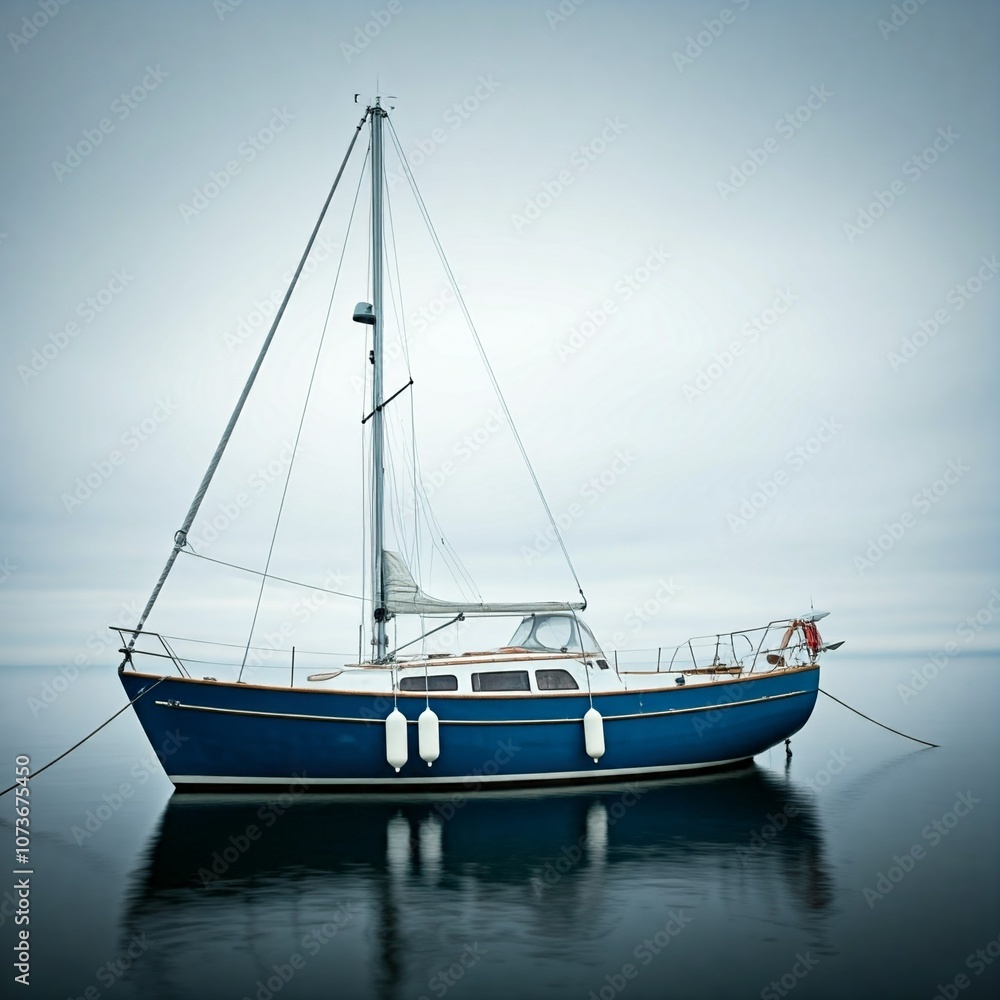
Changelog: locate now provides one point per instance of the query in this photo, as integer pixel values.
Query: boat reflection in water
(528, 894)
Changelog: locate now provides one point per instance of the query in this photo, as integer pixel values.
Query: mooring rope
(877, 723)
(143, 692)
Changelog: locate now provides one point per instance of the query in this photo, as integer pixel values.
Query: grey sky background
(837, 161)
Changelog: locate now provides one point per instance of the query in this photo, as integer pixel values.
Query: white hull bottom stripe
(478, 779)
(484, 722)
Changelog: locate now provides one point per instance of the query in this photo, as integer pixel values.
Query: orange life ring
(810, 636)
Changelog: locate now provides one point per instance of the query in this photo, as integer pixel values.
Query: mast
(380, 642)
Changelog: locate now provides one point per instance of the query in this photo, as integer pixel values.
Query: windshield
(555, 633)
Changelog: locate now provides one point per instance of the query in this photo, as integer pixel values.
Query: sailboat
(544, 705)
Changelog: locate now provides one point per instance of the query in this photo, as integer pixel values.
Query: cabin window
(555, 680)
(501, 680)
(435, 682)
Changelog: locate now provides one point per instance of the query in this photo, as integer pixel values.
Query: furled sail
(403, 596)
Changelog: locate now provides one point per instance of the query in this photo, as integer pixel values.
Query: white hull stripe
(477, 779)
(483, 722)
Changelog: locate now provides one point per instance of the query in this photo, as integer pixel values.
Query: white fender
(593, 733)
(395, 739)
(428, 737)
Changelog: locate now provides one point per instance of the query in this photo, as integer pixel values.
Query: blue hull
(210, 735)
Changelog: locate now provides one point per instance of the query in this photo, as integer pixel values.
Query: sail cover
(403, 596)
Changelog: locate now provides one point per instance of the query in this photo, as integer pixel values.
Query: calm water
(862, 867)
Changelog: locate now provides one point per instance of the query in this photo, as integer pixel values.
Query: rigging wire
(239, 645)
(395, 286)
(413, 550)
(401, 441)
(270, 576)
(452, 560)
(482, 353)
(436, 535)
(298, 432)
(180, 537)
(398, 309)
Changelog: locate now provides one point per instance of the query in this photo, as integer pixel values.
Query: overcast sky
(736, 268)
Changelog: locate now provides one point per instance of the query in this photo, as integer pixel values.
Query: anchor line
(877, 723)
(44, 767)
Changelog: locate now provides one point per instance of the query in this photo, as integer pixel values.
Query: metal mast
(380, 642)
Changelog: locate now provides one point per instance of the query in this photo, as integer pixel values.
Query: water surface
(860, 866)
